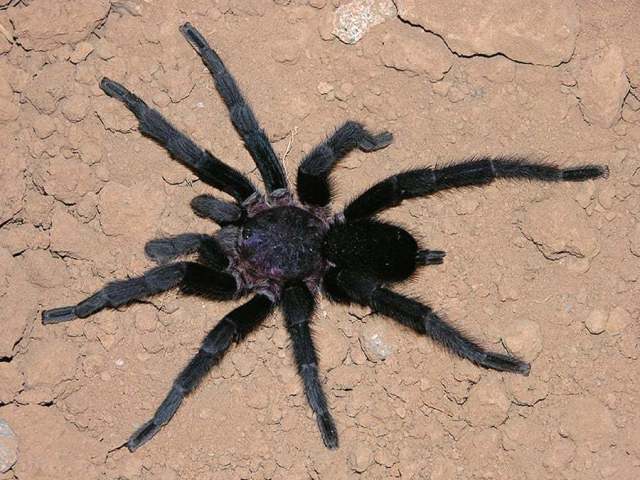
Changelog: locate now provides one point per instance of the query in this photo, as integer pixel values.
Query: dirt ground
(548, 272)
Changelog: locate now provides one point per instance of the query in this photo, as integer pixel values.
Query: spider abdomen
(282, 243)
(383, 251)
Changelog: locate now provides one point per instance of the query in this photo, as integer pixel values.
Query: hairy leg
(163, 250)
(192, 278)
(233, 327)
(298, 305)
(221, 212)
(481, 171)
(209, 169)
(241, 114)
(422, 319)
(314, 187)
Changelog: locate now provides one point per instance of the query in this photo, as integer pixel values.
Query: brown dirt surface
(549, 272)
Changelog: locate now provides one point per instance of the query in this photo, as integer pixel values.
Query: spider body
(283, 243)
(285, 251)
(381, 250)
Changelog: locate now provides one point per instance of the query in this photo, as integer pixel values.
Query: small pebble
(324, 88)
(8, 447)
(352, 20)
(596, 322)
(374, 342)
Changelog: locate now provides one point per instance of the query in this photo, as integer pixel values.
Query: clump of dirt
(548, 272)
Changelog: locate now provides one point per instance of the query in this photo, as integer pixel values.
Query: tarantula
(285, 250)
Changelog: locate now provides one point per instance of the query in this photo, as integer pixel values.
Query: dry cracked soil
(548, 272)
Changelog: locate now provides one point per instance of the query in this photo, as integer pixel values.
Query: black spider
(285, 251)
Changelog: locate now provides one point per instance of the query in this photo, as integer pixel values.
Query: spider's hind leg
(298, 305)
(420, 318)
(233, 327)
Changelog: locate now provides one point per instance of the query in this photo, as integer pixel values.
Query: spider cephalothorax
(279, 244)
(284, 251)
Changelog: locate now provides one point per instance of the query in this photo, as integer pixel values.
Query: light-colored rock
(596, 322)
(352, 20)
(417, 53)
(374, 340)
(324, 88)
(542, 32)
(523, 338)
(602, 87)
(8, 447)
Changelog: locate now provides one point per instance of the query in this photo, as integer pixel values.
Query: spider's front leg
(192, 278)
(221, 212)
(163, 250)
(210, 169)
(314, 187)
(234, 326)
(242, 117)
(353, 286)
